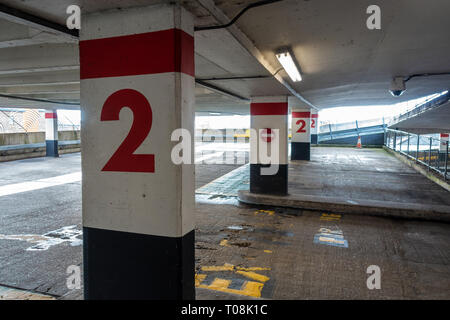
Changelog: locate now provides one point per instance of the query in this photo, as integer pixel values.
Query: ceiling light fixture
(289, 65)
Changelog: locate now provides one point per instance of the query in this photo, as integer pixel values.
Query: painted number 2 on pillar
(302, 124)
(124, 159)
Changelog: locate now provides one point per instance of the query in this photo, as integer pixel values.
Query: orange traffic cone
(358, 145)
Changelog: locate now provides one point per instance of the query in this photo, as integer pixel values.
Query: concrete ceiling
(343, 63)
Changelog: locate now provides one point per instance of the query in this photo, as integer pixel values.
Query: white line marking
(39, 184)
(209, 156)
(44, 242)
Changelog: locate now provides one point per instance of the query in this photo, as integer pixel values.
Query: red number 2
(303, 124)
(313, 124)
(124, 159)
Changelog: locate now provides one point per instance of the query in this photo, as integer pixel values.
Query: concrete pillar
(314, 127)
(444, 140)
(301, 130)
(51, 133)
(138, 205)
(268, 121)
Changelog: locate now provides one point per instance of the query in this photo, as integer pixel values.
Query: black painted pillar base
(300, 151)
(276, 184)
(123, 265)
(314, 139)
(51, 148)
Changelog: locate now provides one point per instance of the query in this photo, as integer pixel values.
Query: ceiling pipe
(226, 25)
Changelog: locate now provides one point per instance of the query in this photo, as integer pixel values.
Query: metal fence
(426, 150)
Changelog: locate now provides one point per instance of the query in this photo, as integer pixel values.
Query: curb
(360, 207)
(419, 168)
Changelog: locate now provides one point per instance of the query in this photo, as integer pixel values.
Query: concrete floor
(250, 251)
(362, 174)
(359, 181)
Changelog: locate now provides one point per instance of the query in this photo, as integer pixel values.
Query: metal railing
(350, 129)
(435, 100)
(428, 151)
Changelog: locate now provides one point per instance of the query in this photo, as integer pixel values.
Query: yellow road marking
(219, 284)
(225, 267)
(252, 289)
(224, 243)
(254, 276)
(268, 251)
(199, 279)
(330, 217)
(252, 269)
(269, 212)
(249, 288)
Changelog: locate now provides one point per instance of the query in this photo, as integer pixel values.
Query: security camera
(397, 86)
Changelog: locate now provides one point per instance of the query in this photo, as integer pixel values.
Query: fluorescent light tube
(289, 66)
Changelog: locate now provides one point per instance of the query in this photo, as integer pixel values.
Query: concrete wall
(16, 146)
(7, 139)
(371, 139)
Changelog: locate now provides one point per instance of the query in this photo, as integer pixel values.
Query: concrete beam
(40, 78)
(51, 57)
(30, 20)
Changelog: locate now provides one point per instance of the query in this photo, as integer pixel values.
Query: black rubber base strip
(300, 151)
(276, 184)
(314, 139)
(123, 265)
(51, 148)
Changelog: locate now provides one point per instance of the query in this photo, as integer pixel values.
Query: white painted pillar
(301, 130)
(443, 142)
(51, 133)
(137, 87)
(314, 127)
(268, 121)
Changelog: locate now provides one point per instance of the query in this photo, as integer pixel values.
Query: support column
(268, 121)
(301, 130)
(314, 127)
(443, 142)
(51, 133)
(137, 87)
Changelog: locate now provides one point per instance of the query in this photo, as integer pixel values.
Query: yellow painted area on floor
(224, 243)
(199, 279)
(330, 217)
(252, 269)
(225, 267)
(268, 212)
(249, 288)
(219, 284)
(268, 251)
(254, 276)
(252, 289)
